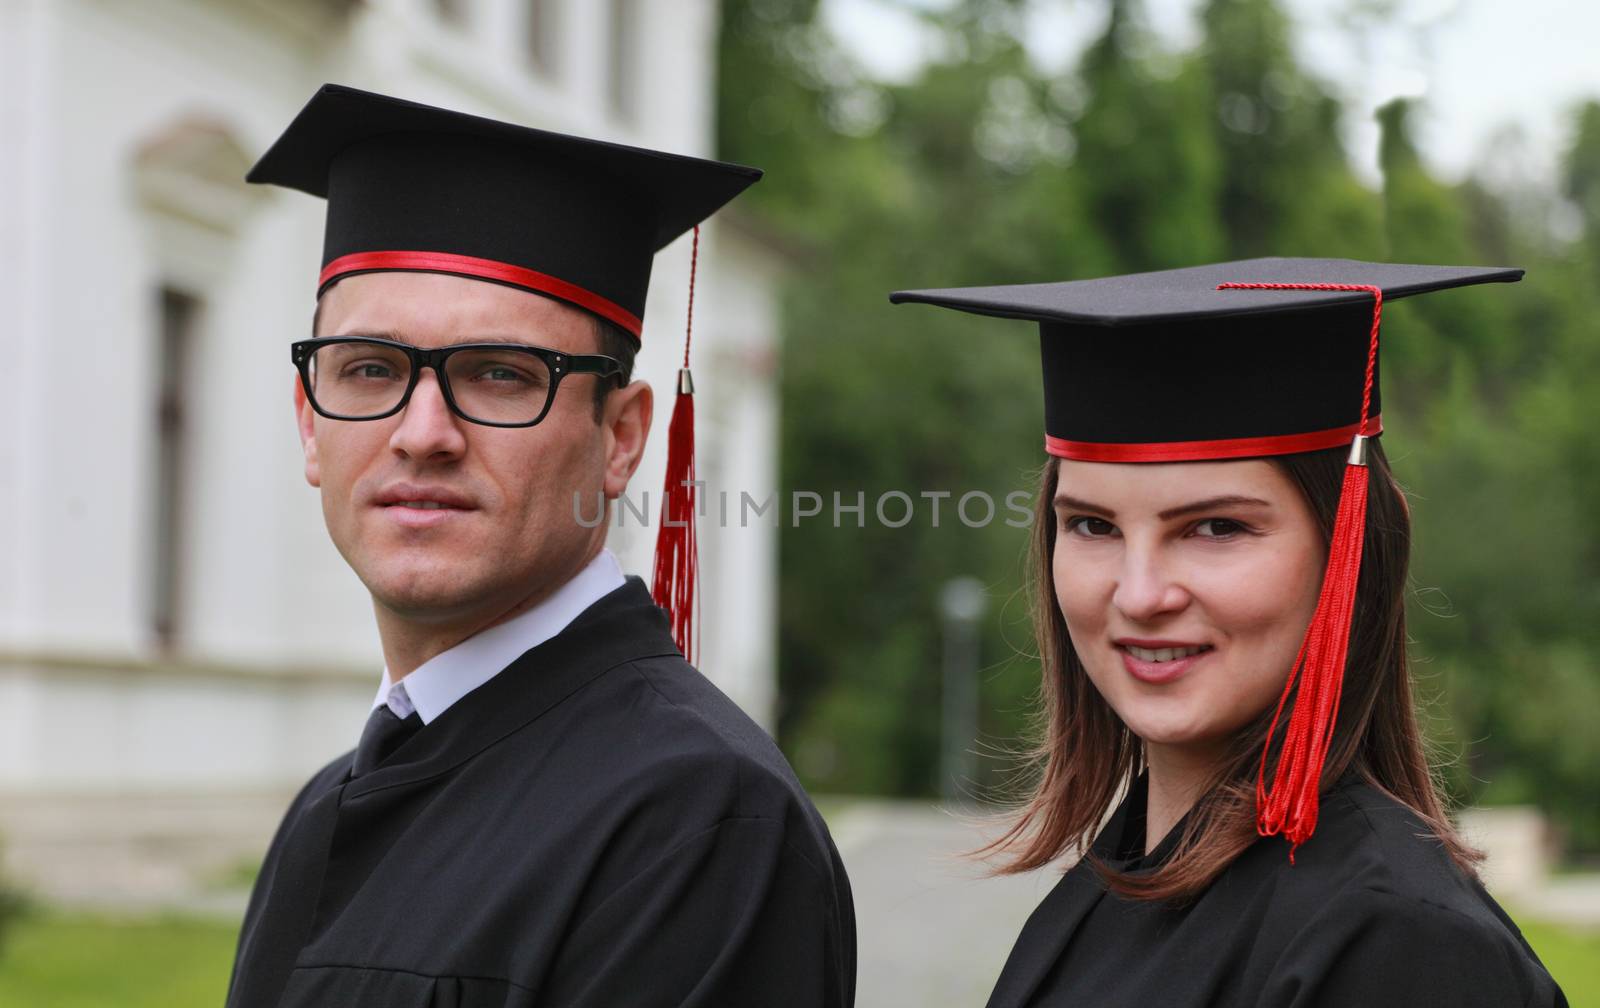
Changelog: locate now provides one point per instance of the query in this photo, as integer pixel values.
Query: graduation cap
(1181, 365)
(1245, 359)
(412, 187)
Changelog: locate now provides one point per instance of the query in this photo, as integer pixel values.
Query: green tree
(985, 170)
(1581, 177)
(1288, 187)
(1497, 397)
(1147, 159)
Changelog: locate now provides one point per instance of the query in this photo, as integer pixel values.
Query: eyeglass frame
(559, 363)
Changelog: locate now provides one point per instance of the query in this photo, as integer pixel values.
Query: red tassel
(1290, 805)
(677, 547)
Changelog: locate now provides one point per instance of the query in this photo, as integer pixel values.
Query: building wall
(136, 122)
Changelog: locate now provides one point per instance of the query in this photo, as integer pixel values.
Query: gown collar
(624, 626)
(435, 685)
(1120, 844)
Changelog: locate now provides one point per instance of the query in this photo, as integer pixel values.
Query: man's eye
(376, 370)
(1090, 527)
(509, 374)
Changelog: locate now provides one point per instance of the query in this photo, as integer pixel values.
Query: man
(549, 805)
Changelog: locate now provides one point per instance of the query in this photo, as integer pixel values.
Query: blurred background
(180, 645)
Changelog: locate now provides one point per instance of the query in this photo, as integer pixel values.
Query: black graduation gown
(1373, 913)
(597, 825)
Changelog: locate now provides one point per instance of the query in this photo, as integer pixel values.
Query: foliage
(986, 169)
(14, 907)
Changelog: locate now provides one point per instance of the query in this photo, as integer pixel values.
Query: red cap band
(1199, 451)
(482, 269)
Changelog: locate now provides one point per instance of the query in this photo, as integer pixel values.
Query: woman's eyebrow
(1066, 501)
(1210, 503)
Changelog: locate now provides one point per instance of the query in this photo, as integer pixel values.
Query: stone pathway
(934, 931)
(1573, 900)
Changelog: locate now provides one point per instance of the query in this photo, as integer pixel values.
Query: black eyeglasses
(494, 384)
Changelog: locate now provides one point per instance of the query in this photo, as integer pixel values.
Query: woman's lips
(1159, 672)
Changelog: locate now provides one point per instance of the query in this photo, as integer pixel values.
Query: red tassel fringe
(677, 547)
(1290, 806)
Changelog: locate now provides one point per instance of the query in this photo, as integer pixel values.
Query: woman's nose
(1146, 589)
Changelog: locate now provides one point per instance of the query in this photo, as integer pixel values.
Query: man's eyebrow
(377, 334)
(397, 338)
(366, 334)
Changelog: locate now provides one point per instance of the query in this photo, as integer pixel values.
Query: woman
(1224, 659)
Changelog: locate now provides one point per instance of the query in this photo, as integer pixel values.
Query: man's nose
(428, 430)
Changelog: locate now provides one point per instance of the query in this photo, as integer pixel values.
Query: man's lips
(415, 506)
(422, 497)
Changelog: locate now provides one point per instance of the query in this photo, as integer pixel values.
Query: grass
(1572, 955)
(68, 961)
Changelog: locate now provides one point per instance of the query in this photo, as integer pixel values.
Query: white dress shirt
(450, 675)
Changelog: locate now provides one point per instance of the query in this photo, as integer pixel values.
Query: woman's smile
(1158, 662)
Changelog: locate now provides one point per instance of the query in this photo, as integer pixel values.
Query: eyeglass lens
(356, 380)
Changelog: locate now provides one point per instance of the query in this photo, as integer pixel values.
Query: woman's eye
(1090, 527)
(1218, 528)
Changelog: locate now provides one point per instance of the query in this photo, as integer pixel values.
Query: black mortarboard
(1166, 366)
(1233, 360)
(413, 187)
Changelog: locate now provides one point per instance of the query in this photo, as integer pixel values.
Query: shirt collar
(447, 677)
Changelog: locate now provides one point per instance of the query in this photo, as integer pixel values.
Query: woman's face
(1186, 589)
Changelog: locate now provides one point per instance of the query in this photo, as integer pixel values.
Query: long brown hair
(1086, 757)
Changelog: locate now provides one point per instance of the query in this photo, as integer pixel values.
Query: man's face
(506, 535)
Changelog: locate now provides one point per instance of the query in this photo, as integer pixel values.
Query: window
(544, 36)
(623, 85)
(452, 11)
(189, 177)
(178, 313)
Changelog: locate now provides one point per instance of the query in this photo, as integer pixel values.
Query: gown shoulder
(1379, 913)
(1372, 911)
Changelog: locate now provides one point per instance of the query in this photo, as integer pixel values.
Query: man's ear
(626, 423)
(305, 420)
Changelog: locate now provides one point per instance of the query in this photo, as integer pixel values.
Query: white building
(179, 642)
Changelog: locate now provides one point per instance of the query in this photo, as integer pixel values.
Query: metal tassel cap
(1358, 451)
